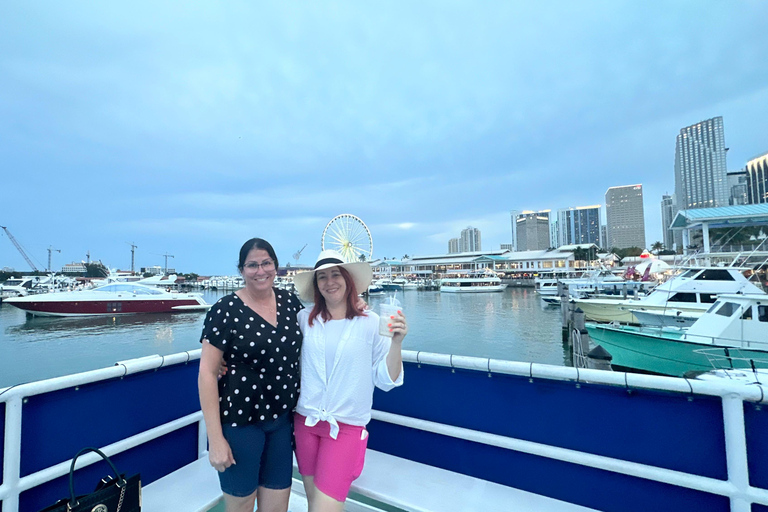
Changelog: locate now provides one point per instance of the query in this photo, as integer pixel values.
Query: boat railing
(643, 442)
(730, 358)
(38, 419)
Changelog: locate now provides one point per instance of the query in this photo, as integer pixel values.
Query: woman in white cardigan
(343, 357)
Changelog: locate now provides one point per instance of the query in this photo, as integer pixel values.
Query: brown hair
(321, 309)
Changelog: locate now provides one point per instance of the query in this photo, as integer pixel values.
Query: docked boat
(692, 291)
(733, 333)
(666, 318)
(110, 299)
(472, 283)
(18, 286)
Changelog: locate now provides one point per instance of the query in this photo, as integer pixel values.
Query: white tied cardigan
(360, 364)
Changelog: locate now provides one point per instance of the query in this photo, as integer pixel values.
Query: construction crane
(133, 252)
(50, 250)
(166, 261)
(297, 254)
(21, 250)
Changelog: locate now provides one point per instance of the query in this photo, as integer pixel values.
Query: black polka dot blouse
(262, 380)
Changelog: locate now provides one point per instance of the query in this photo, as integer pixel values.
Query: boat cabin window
(708, 298)
(715, 274)
(727, 309)
(689, 273)
(128, 288)
(762, 313)
(747, 315)
(683, 297)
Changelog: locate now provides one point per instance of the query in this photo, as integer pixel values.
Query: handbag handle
(121, 481)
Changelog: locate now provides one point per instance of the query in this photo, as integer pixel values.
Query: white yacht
(692, 291)
(472, 283)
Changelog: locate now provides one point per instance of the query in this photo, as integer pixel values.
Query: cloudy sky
(187, 128)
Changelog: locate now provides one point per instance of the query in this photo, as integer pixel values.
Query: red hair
(321, 309)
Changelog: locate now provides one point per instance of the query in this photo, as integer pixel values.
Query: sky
(188, 128)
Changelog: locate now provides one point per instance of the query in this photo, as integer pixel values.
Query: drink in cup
(387, 309)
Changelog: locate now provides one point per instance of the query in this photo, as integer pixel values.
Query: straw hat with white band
(360, 271)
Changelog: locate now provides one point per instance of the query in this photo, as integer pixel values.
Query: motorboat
(18, 286)
(666, 318)
(472, 283)
(110, 299)
(692, 291)
(732, 333)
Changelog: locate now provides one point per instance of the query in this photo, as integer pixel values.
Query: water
(512, 325)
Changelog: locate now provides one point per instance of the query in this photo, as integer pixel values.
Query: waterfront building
(756, 173)
(531, 230)
(579, 225)
(453, 246)
(737, 185)
(700, 168)
(470, 240)
(704, 219)
(624, 216)
(513, 264)
(667, 214)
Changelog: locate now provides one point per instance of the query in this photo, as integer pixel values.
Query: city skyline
(188, 131)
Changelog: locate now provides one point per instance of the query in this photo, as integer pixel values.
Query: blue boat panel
(756, 425)
(658, 428)
(759, 508)
(152, 460)
(56, 425)
(598, 489)
(2, 445)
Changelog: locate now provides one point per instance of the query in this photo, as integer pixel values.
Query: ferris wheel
(349, 236)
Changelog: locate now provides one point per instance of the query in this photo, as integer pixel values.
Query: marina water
(512, 325)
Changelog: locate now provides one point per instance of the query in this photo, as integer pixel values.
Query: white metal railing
(13, 484)
(737, 488)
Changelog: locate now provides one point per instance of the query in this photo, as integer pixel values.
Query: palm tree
(657, 247)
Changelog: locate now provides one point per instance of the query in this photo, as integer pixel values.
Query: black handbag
(112, 494)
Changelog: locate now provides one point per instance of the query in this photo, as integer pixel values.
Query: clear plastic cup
(388, 308)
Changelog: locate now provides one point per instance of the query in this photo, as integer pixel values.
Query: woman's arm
(399, 328)
(219, 452)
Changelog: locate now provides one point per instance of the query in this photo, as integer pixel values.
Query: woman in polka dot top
(254, 332)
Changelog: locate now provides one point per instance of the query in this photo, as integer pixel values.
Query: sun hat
(361, 273)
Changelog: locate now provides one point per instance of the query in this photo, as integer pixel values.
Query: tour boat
(733, 333)
(694, 291)
(472, 283)
(110, 299)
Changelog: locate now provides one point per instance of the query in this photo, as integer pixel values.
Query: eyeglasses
(265, 265)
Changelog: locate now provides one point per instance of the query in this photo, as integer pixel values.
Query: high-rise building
(700, 169)
(453, 246)
(532, 230)
(604, 237)
(737, 185)
(470, 240)
(667, 216)
(757, 179)
(624, 216)
(580, 225)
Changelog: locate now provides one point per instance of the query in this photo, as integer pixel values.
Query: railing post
(736, 450)
(12, 458)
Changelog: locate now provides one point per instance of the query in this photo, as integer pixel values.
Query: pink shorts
(334, 463)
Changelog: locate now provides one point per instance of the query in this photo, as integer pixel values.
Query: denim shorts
(263, 457)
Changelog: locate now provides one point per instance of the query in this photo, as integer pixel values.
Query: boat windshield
(128, 288)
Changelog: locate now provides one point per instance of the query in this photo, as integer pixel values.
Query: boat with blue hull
(523, 437)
